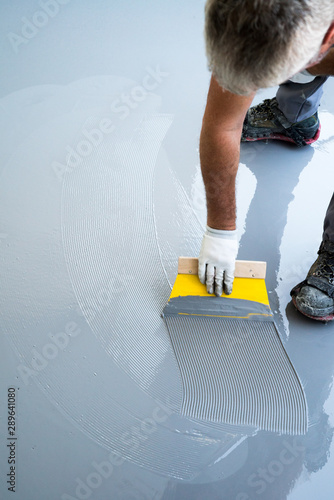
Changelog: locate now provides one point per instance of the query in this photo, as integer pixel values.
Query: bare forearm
(219, 155)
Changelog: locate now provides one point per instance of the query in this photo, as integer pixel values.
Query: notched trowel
(232, 362)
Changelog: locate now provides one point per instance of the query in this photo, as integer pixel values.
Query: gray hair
(252, 44)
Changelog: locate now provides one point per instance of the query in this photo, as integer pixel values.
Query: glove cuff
(222, 233)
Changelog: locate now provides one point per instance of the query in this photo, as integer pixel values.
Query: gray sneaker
(266, 121)
(314, 297)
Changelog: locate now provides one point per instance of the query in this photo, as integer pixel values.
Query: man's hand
(216, 261)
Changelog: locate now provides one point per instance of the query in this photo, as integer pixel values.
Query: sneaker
(266, 121)
(314, 297)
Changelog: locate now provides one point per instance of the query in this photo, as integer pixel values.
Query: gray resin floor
(100, 192)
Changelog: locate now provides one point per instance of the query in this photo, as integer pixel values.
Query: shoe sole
(281, 137)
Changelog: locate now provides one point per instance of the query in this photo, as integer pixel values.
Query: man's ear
(327, 44)
(328, 40)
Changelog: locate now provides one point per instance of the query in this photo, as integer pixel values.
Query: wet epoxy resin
(100, 192)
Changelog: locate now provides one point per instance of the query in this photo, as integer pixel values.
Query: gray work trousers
(299, 101)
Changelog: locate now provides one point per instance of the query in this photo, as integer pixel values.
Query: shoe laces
(325, 267)
(264, 109)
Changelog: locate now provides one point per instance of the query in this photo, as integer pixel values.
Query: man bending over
(253, 44)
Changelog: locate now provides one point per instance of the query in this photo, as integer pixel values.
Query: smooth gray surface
(100, 115)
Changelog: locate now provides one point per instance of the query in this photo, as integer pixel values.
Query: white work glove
(216, 262)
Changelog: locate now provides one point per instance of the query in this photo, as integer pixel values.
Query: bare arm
(220, 151)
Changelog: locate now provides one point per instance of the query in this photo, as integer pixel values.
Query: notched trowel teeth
(232, 362)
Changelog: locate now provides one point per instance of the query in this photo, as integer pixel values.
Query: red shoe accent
(315, 138)
(281, 137)
(329, 317)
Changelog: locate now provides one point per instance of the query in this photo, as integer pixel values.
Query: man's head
(254, 44)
